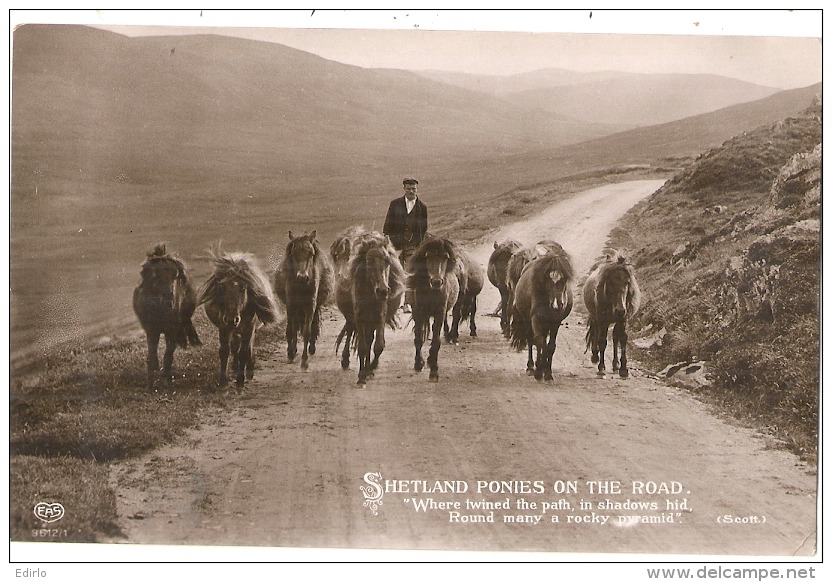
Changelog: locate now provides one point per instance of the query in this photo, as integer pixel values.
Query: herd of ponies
(362, 273)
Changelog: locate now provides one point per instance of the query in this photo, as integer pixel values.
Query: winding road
(487, 459)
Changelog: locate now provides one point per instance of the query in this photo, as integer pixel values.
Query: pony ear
(313, 234)
(290, 235)
(496, 245)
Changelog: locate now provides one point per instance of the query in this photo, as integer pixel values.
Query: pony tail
(591, 325)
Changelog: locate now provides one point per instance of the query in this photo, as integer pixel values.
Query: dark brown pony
(542, 300)
(611, 296)
(369, 299)
(497, 272)
(235, 296)
(433, 281)
(303, 283)
(341, 249)
(164, 302)
(514, 268)
(471, 277)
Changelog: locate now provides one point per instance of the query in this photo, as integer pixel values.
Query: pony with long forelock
(514, 268)
(471, 277)
(341, 248)
(164, 301)
(542, 300)
(304, 283)
(611, 295)
(433, 281)
(235, 297)
(368, 298)
(497, 272)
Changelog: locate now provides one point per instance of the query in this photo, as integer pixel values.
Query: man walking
(406, 225)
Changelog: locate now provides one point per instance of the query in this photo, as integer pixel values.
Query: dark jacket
(398, 223)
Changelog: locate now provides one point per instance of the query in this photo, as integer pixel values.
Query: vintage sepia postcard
(428, 286)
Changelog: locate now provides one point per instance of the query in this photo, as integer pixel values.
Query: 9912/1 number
(49, 533)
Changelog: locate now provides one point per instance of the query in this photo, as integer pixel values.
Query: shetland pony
(542, 300)
(433, 281)
(164, 302)
(497, 272)
(303, 283)
(235, 296)
(471, 278)
(369, 298)
(611, 295)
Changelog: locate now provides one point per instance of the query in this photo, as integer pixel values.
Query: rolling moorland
(136, 140)
(109, 158)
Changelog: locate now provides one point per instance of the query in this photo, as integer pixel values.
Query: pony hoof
(601, 373)
(473, 334)
(433, 378)
(311, 350)
(624, 372)
(345, 366)
(361, 382)
(304, 364)
(529, 372)
(594, 359)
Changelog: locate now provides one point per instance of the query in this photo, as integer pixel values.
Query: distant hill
(626, 99)
(118, 143)
(149, 108)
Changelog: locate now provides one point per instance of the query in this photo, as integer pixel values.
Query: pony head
(236, 282)
(617, 286)
(161, 274)
(554, 273)
(434, 259)
(301, 254)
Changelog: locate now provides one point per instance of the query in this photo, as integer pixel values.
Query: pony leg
(152, 357)
(307, 334)
(237, 357)
(418, 340)
(550, 352)
(508, 309)
(291, 338)
(314, 332)
(452, 335)
(167, 362)
(503, 309)
(619, 339)
(363, 353)
(225, 350)
(378, 346)
(530, 359)
(471, 317)
(601, 338)
(345, 354)
(539, 334)
(435, 344)
(247, 356)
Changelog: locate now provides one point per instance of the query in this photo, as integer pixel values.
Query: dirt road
(487, 459)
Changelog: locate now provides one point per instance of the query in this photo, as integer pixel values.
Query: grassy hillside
(618, 99)
(118, 143)
(729, 251)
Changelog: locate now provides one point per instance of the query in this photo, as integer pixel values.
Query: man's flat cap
(410, 181)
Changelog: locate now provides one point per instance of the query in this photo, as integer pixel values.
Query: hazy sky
(777, 48)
